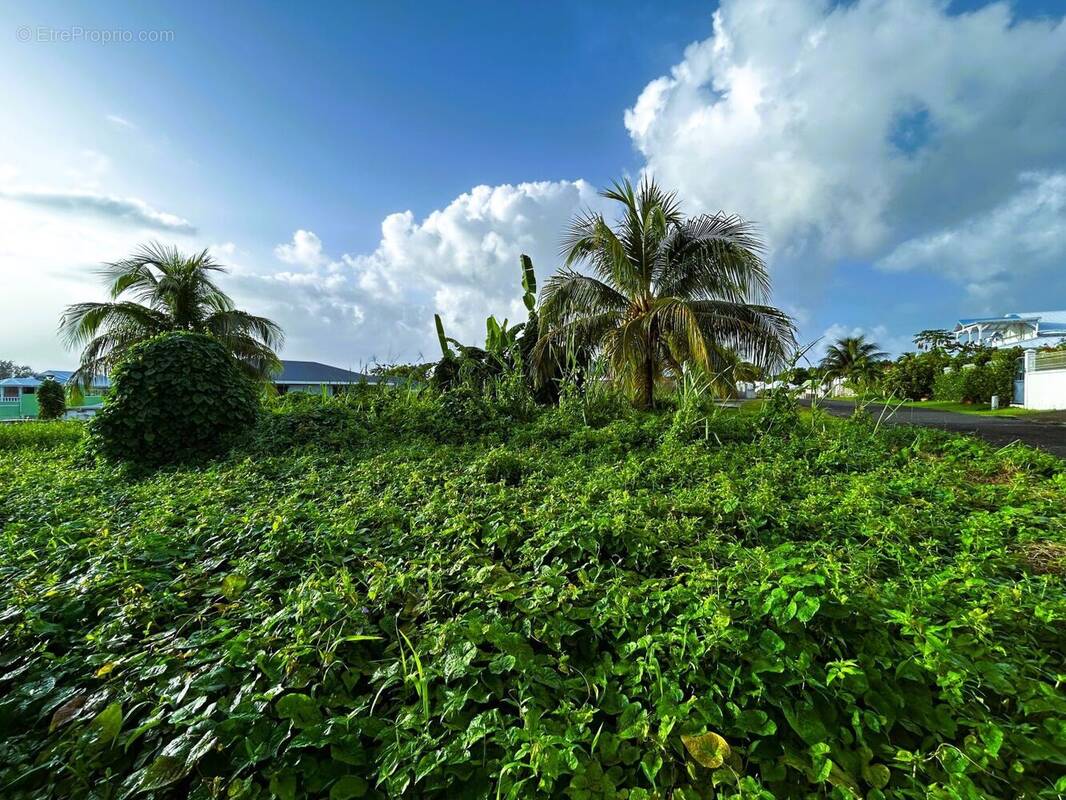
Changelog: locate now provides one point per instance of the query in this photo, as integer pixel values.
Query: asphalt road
(997, 430)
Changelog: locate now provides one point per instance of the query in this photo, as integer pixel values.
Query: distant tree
(914, 374)
(51, 400)
(852, 358)
(934, 339)
(9, 369)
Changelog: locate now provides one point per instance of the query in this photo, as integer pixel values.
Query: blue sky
(905, 159)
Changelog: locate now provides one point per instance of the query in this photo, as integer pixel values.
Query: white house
(1025, 329)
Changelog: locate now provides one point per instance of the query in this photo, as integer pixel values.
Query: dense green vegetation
(955, 373)
(176, 396)
(51, 400)
(420, 595)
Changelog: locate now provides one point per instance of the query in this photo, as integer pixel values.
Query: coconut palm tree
(851, 357)
(159, 289)
(664, 290)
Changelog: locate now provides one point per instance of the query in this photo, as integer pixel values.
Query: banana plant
(529, 284)
(445, 349)
(505, 345)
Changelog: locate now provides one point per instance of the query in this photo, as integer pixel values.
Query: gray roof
(314, 372)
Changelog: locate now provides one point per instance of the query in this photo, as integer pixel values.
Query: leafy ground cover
(435, 598)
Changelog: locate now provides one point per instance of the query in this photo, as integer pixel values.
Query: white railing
(1052, 359)
(6, 399)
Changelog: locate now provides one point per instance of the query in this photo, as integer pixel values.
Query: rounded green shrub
(51, 400)
(177, 396)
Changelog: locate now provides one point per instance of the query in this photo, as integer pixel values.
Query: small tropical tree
(159, 289)
(852, 358)
(51, 400)
(934, 339)
(664, 290)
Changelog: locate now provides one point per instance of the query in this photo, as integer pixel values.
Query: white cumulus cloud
(460, 261)
(1020, 236)
(845, 129)
(305, 250)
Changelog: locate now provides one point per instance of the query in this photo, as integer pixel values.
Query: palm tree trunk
(646, 379)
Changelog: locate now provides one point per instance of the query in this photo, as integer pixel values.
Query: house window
(29, 390)
(11, 391)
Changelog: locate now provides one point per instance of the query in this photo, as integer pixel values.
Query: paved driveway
(997, 430)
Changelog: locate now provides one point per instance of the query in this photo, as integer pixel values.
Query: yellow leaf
(105, 669)
(709, 749)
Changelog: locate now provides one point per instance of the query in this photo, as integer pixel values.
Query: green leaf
(283, 786)
(233, 585)
(200, 749)
(758, 722)
(709, 749)
(804, 721)
(300, 708)
(992, 738)
(770, 642)
(108, 723)
(633, 723)
(806, 607)
(164, 771)
(877, 775)
(651, 763)
(348, 787)
(820, 763)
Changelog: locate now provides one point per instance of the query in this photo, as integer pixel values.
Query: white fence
(1045, 380)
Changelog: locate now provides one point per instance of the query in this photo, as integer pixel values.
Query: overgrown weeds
(402, 595)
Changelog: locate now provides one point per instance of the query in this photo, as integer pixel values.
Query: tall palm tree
(851, 357)
(166, 291)
(664, 290)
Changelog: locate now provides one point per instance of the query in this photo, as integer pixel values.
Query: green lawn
(978, 409)
(427, 598)
(984, 410)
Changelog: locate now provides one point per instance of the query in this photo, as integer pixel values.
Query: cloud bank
(856, 131)
(460, 261)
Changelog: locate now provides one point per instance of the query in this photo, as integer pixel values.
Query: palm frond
(712, 257)
(763, 335)
(569, 295)
(83, 321)
(166, 290)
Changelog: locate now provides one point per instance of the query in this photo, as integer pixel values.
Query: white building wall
(1045, 389)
